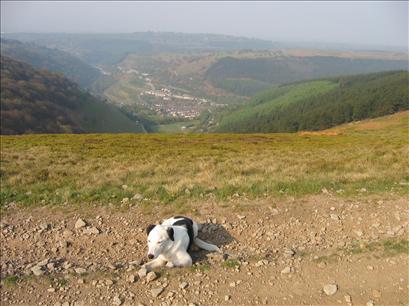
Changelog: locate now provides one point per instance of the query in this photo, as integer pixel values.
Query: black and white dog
(170, 241)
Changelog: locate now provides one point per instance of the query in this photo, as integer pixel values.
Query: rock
(51, 266)
(66, 265)
(261, 263)
(348, 298)
(51, 290)
(142, 272)
(335, 217)
(322, 265)
(376, 294)
(156, 292)
(37, 270)
(274, 212)
(80, 223)
(370, 303)
(125, 200)
(359, 233)
(109, 282)
(137, 197)
(43, 262)
(80, 270)
(151, 276)
(67, 233)
(241, 217)
(63, 244)
(132, 278)
(288, 253)
(226, 298)
(124, 187)
(183, 285)
(287, 270)
(330, 289)
(192, 304)
(325, 191)
(117, 300)
(91, 231)
(45, 226)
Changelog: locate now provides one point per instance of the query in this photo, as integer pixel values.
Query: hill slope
(35, 101)
(320, 104)
(51, 59)
(104, 48)
(235, 74)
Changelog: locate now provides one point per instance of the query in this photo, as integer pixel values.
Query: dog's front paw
(169, 264)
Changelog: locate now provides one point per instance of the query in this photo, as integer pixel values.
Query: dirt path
(277, 251)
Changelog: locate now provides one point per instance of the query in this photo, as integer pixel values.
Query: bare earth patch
(277, 251)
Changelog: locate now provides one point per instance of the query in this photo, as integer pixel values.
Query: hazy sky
(366, 22)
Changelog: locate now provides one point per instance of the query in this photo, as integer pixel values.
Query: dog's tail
(206, 246)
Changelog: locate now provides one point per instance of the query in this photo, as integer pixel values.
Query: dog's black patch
(188, 223)
(171, 233)
(149, 228)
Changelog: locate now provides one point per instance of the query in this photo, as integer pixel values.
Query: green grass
(178, 169)
(231, 263)
(385, 248)
(202, 267)
(11, 280)
(388, 247)
(272, 99)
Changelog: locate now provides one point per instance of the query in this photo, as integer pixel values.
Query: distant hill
(317, 105)
(34, 101)
(51, 59)
(112, 48)
(244, 76)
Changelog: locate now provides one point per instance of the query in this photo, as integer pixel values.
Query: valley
(165, 80)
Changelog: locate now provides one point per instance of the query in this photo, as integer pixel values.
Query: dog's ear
(170, 233)
(149, 228)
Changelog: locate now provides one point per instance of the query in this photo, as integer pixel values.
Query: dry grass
(174, 168)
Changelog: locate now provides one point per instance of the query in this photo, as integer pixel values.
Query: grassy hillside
(34, 101)
(281, 70)
(51, 59)
(181, 168)
(320, 104)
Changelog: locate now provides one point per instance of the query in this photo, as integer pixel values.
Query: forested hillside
(244, 76)
(319, 105)
(51, 59)
(34, 101)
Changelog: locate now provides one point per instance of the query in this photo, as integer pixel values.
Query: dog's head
(160, 238)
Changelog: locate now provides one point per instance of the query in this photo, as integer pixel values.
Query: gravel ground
(321, 249)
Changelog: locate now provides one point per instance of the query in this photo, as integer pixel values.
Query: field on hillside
(56, 169)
